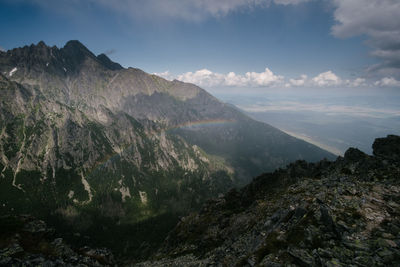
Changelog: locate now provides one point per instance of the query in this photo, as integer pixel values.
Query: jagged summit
(75, 44)
(64, 61)
(41, 44)
(107, 62)
(74, 53)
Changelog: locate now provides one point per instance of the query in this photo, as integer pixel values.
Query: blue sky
(225, 43)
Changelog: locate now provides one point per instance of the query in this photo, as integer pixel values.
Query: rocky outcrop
(342, 213)
(26, 241)
(387, 148)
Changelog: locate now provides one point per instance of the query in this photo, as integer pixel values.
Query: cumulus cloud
(298, 82)
(166, 75)
(388, 81)
(327, 79)
(356, 82)
(207, 78)
(379, 21)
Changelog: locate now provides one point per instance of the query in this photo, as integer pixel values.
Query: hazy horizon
(329, 120)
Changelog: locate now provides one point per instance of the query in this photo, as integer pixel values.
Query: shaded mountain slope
(84, 141)
(75, 77)
(56, 161)
(342, 213)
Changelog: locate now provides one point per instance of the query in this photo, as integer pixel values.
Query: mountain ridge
(82, 143)
(133, 91)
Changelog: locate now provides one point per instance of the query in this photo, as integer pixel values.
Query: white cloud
(207, 78)
(388, 81)
(298, 82)
(379, 20)
(356, 82)
(166, 75)
(265, 78)
(203, 77)
(326, 79)
(2, 49)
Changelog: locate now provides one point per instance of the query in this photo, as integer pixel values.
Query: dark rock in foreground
(342, 213)
(26, 241)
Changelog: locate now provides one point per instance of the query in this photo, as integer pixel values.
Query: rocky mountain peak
(41, 44)
(108, 63)
(74, 47)
(38, 58)
(74, 53)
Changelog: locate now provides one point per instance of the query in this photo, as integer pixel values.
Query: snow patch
(143, 197)
(71, 194)
(12, 71)
(65, 70)
(47, 64)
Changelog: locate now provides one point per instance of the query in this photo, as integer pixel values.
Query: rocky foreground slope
(342, 213)
(26, 241)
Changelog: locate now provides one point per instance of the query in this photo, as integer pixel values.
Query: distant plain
(332, 120)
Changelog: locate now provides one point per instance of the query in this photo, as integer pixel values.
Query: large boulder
(387, 148)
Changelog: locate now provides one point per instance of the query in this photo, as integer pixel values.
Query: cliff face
(340, 213)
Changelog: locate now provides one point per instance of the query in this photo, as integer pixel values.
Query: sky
(226, 45)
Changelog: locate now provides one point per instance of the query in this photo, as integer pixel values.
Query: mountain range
(92, 146)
